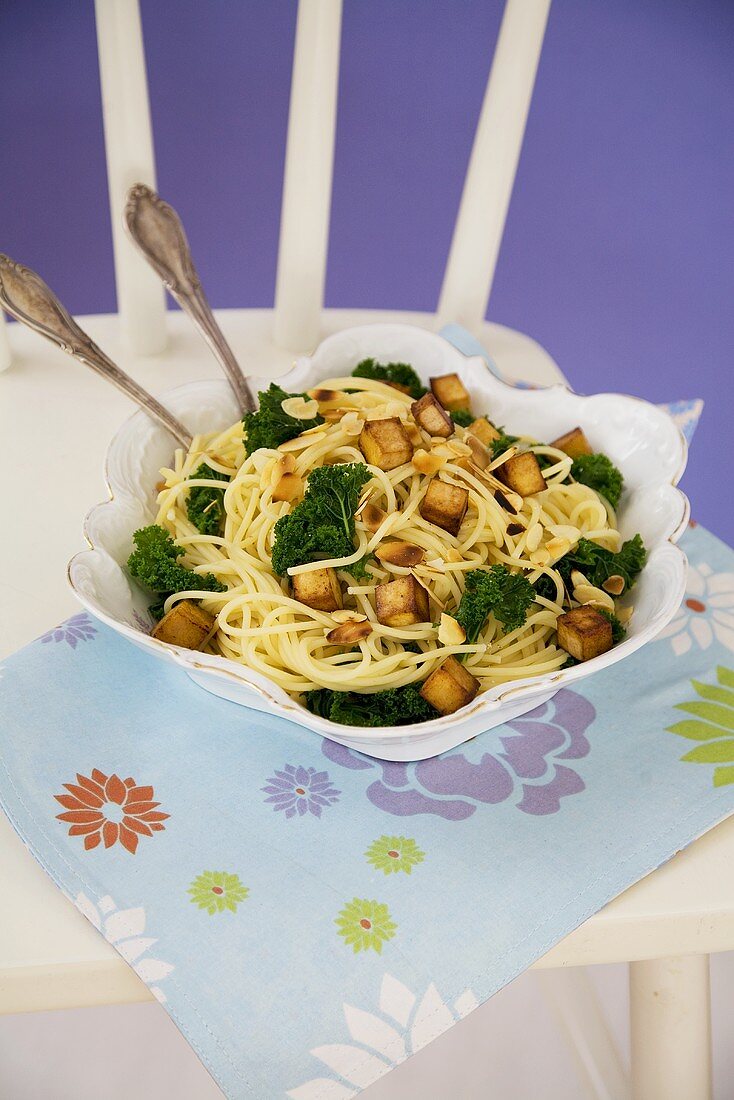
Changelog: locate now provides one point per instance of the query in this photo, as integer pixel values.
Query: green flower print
(216, 891)
(394, 853)
(712, 724)
(365, 924)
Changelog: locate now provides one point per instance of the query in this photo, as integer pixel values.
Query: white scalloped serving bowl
(641, 439)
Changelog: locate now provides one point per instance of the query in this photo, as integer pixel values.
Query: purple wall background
(618, 249)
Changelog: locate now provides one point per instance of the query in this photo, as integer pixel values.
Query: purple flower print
(78, 628)
(453, 786)
(300, 791)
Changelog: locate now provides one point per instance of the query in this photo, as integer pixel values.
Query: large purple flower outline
(299, 790)
(79, 628)
(452, 786)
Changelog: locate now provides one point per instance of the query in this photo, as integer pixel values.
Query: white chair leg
(572, 999)
(670, 1012)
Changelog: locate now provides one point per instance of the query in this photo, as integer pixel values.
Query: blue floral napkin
(311, 917)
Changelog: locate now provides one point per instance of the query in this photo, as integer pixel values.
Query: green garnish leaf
(599, 474)
(598, 564)
(322, 525)
(205, 506)
(401, 706)
(400, 374)
(505, 441)
(618, 632)
(359, 570)
(154, 563)
(270, 426)
(507, 595)
(463, 417)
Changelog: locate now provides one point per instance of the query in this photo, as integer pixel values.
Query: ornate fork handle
(156, 229)
(26, 297)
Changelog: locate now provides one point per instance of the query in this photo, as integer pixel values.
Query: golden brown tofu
(449, 687)
(573, 443)
(319, 589)
(445, 505)
(584, 633)
(403, 602)
(432, 416)
(522, 473)
(450, 391)
(485, 432)
(385, 444)
(186, 624)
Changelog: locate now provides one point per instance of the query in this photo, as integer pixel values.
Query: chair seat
(50, 957)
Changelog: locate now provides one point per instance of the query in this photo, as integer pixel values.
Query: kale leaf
(205, 506)
(270, 426)
(463, 417)
(322, 525)
(396, 707)
(399, 374)
(508, 595)
(598, 564)
(618, 631)
(359, 570)
(154, 563)
(500, 445)
(600, 474)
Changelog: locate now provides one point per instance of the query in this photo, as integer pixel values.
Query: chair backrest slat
(129, 148)
(491, 174)
(304, 225)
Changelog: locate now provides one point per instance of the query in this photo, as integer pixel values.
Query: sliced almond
(346, 616)
(450, 632)
(426, 463)
(288, 487)
(431, 595)
(540, 556)
(405, 554)
(305, 439)
(457, 447)
(436, 565)
(535, 535)
(557, 548)
(624, 614)
(565, 531)
(350, 632)
(352, 423)
(160, 486)
(325, 396)
(333, 416)
(373, 517)
(286, 464)
(299, 408)
(588, 593)
(577, 578)
(453, 555)
(479, 453)
(500, 460)
(614, 585)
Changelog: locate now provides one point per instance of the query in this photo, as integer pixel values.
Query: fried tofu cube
(573, 443)
(485, 432)
(450, 391)
(402, 602)
(186, 624)
(522, 473)
(319, 589)
(445, 505)
(584, 633)
(450, 687)
(384, 443)
(432, 416)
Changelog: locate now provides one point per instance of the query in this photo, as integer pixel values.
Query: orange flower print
(110, 809)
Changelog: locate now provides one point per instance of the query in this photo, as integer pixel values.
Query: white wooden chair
(50, 957)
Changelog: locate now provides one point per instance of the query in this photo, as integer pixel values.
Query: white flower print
(707, 612)
(401, 1028)
(124, 929)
